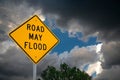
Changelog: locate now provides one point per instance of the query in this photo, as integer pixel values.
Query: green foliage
(65, 73)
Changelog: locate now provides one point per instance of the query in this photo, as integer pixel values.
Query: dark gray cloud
(101, 16)
(93, 16)
(4, 21)
(111, 63)
(11, 15)
(110, 74)
(14, 64)
(3, 36)
(111, 53)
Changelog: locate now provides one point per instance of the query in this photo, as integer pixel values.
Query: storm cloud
(92, 16)
(111, 53)
(100, 17)
(110, 74)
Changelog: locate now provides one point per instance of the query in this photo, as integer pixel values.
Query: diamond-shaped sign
(34, 38)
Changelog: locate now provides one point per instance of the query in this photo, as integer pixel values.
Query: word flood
(35, 46)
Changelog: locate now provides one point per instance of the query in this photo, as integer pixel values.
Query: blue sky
(66, 42)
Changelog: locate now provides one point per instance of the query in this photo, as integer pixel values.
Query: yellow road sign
(34, 38)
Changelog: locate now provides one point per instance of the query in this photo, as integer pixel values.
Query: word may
(33, 36)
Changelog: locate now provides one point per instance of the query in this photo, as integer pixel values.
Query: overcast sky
(88, 31)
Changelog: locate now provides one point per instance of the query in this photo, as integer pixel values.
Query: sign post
(34, 71)
(35, 39)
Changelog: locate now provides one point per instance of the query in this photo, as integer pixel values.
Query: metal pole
(34, 71)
